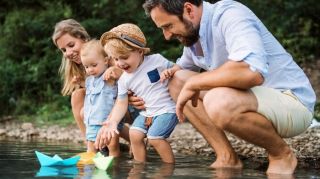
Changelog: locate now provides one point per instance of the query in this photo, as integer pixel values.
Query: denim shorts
(161, 127)
(133, 112)
(92, 131)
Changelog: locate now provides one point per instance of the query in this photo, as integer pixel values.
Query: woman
(69, 36)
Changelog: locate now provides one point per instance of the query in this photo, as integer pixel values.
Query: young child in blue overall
(100, 94)
(126, 44)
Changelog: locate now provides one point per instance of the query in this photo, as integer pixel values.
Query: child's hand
(107, 131)
(166, 74)
(112, 73)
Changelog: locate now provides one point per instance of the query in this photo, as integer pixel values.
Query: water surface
(18, 160)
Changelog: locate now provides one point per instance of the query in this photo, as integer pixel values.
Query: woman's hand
(77, 80)
(135, 101)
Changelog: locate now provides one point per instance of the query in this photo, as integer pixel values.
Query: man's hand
(187, 93)
(107, 131)
(135, 101)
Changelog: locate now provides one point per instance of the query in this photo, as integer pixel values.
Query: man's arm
(233, 74)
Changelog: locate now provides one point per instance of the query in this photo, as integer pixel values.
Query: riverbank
(185, 140)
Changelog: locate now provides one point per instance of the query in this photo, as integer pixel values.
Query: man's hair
(174, 7)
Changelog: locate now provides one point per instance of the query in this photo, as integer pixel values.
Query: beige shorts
(287, 114)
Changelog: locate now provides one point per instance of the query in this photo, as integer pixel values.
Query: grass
(50, 114)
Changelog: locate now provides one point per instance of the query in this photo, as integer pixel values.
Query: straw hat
(128, 33)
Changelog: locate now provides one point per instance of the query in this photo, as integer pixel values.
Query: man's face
(173, 27)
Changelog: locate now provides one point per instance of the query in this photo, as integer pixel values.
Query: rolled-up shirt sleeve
(186, 61)
(243, 39)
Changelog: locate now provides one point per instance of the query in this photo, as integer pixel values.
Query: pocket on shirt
(154, 75)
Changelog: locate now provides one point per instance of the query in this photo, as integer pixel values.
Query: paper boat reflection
(46, 160)
(56, 171)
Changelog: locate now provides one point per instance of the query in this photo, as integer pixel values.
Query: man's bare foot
(236, 164)
(284, 164)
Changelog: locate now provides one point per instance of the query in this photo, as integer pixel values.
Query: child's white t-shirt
(145, 83)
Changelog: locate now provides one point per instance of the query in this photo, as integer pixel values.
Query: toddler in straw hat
(126, 44)
(100, 94)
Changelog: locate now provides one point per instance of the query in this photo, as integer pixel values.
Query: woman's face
(70, 47)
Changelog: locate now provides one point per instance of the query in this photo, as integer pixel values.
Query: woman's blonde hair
(69, 69)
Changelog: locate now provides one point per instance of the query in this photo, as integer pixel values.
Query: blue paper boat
(46, 160)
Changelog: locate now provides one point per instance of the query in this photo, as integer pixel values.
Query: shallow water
(18, 160)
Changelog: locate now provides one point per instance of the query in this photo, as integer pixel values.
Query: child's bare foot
(284, 164)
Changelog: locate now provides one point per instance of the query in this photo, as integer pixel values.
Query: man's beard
(192, 34)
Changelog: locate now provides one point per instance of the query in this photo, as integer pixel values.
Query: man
(251, 87)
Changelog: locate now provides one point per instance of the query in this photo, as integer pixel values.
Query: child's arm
(109, 127)
(112, 74)
(168, 73)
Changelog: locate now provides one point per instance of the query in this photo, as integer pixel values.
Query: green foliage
(296, 24)
(29, 61)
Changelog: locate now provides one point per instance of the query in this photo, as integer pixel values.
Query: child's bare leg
(124, 133)
(114, 147)
(90, 147)
(164, 149)
(137, 145)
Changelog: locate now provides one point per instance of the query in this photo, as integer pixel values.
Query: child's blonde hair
(116, 46)
(92, 45)
(69, 69)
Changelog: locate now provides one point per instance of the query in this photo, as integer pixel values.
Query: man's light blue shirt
(99, 100)
(231, 31)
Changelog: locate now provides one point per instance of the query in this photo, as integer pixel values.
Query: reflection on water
(18, 160)
(57, 171)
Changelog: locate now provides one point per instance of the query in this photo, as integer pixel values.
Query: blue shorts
(92, 131)
(161, 127)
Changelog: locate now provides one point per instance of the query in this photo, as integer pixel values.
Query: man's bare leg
(77, 101)
(226, 157)
(235, 111)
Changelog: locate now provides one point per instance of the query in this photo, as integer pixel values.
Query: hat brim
(111, 35)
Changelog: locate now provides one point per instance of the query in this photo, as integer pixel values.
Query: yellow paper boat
(102, 162)
(86, 158)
